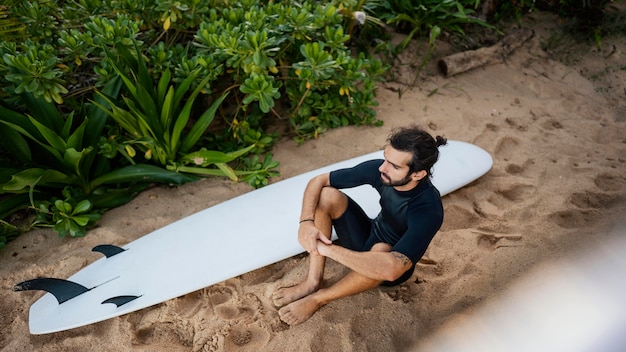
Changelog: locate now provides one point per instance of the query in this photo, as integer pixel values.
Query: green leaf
(12, 140)
(75, 139)
(147, 106)
(45, 111)
(228, 171)
(63, 206)
(163, 85)
(167, 110)
(183, 87)
(201, 125)
(97, 116)
(35, 176)
(206, 158)
(24, 132)
(53, 139)
(140, 173)
(81, 220)
(183, 118)
(62, 227)
(209, 157)
(82, 206)
(201, 171)
(124, 118)
(127, 81)
(74, 158)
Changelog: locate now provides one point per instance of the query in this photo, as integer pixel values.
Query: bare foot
(287, 295)
(300, 310)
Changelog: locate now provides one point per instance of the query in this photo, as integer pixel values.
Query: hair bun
(440, 141)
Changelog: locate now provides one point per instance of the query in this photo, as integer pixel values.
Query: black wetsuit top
(408, 220)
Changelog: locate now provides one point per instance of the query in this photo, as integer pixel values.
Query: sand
(556, 130)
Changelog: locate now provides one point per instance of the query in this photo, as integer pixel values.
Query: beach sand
(556, 131)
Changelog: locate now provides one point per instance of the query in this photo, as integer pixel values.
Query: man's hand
(322, 248)
(309, 235)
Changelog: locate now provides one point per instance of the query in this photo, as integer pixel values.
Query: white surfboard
(229, 239)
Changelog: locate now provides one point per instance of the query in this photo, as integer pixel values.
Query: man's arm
(308, 233)
(378, 263)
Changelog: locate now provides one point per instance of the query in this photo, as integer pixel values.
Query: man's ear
(419, 175)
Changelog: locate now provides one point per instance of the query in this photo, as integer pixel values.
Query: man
(379, 251)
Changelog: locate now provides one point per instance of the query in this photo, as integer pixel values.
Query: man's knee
(333, 202)
(381, 247)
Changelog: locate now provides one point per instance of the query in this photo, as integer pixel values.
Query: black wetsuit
(407, 221)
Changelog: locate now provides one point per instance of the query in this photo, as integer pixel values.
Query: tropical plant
(57, 154)
(156, 118)
(432, 16)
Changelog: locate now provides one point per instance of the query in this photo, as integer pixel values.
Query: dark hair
(415, 140)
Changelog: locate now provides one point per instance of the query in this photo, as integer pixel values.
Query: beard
(387, 181)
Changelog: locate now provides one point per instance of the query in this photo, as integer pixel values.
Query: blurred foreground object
(575, 304)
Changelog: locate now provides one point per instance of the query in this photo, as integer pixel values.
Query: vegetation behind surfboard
(100, 99)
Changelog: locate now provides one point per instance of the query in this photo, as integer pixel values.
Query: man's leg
(353, 283)
(331, 205)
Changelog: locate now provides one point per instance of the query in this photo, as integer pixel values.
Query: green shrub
(97, 106)
(290, 62)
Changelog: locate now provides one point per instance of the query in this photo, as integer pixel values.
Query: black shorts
(354, 230)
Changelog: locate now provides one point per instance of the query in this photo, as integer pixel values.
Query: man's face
(394, 171)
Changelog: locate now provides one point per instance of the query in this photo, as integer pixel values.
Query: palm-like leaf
(157, 116)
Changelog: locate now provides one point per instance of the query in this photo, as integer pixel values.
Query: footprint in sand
(248, 331)
(222, 301)
(512, 196)
(610, 182)
(490, 241)
(237, 321)
(247, 337)
(188, 305)
(575, 218)
(595, 200)
(588, 208)
(507, 150)
(457, 217)
(517, 192)
(228, 304)
(526, 169)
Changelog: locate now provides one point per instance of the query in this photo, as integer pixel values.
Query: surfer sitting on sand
(380, 251)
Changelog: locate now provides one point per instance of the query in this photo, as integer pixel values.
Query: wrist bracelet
(305, 220)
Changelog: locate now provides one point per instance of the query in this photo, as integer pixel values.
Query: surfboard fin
(120, 300)
(108, 250)
(62, 290)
